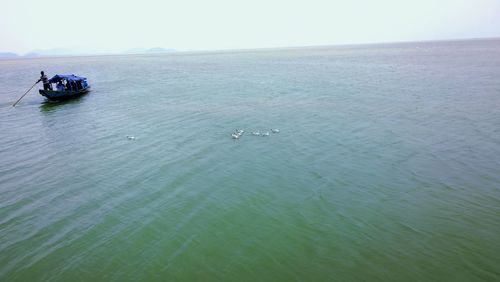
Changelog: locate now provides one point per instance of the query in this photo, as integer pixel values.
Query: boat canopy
(68, 77)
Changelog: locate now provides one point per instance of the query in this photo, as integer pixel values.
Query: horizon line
(194, 51)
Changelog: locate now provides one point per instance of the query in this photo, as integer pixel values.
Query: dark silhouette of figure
(45, 80)
(60, 86)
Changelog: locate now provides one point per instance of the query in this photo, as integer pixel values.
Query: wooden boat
(67, 87)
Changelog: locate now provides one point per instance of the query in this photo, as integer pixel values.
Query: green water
(386, 166)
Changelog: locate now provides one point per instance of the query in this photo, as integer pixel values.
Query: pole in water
(24, 94)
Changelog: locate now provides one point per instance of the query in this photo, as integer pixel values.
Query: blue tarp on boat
(68, 77)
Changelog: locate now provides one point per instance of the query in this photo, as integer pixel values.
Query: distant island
(149, 50)
(59, 52)
(8, 55)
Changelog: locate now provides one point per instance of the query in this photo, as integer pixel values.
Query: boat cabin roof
(68, 77)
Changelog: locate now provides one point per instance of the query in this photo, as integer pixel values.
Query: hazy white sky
(112, 25)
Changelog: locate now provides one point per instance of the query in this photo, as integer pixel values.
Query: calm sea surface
(386, 166)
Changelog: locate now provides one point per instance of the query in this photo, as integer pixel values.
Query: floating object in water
(237, 134)
(265, 134)
(275, 130)
(130, 137)
(256, 133)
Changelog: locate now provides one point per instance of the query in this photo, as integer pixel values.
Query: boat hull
(63, 95)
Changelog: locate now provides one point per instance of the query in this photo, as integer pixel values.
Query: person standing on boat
(45, 80)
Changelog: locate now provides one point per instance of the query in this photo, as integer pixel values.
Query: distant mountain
(8, 55)
(54, 53)
(61, 52)
(155, 50)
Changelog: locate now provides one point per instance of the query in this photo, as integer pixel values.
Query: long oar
(24, 94)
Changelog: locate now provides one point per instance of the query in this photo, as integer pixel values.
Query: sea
(386, 166)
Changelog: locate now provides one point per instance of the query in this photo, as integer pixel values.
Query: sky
(115, 26)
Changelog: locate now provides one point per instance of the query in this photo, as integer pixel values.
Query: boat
(67, 86)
